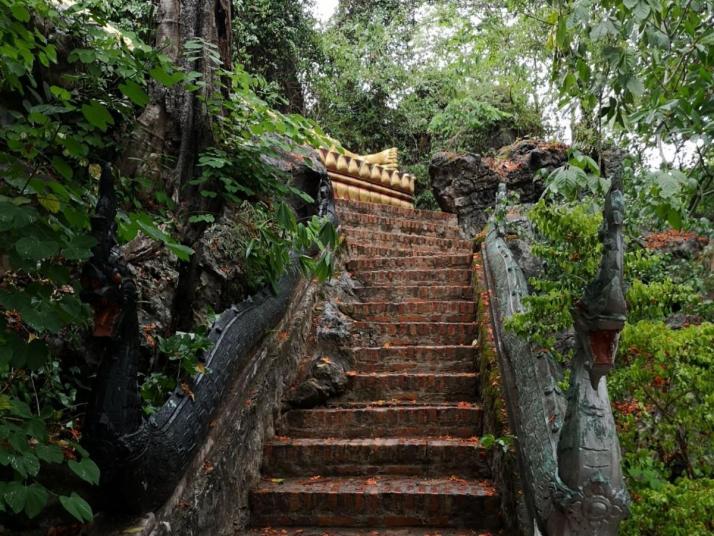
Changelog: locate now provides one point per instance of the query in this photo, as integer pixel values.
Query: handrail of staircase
(143, 459)
(358, 180)
(571, 468)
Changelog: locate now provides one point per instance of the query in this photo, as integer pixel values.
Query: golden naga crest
(372, 178)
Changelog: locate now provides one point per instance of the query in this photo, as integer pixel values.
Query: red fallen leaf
(455, 478)
(464, 405)
(207, 467)
(185, 389)
(283, 336)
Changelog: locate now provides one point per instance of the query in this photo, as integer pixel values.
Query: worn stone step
(424, 387)
(428, 456)
(444, 276)
(369, 531)
(369, 249)
(396, 224)
(372, 421)
(366, 236)
(404, 293)
(345, 206)
(412, 333)
(414, 358)
(394, 501)
(362, 264)
(416, 311)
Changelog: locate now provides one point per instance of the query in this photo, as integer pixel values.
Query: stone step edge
(437, 241)
(439, 441)
(483, 487)
(378, 375)
(407, 213)
(390, 220)
(400, 347)
(460, 256)
(366, 531)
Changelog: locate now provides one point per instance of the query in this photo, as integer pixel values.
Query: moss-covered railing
(568, 449)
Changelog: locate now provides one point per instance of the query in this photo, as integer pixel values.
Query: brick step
(360, 264)
(377, 501)
(436, 311)
(370, 531)
(418, 387)
(412, 333)
(344, 206)
(371, 421)
(367, 236)
(414, 358)
(392, 224)
(398, 293)
(368, 249)
(376, 456)
(444, 276)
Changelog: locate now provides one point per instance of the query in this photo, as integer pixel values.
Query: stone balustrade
(357, 180)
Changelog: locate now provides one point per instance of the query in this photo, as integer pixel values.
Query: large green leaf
(86, 469)
(15, 496)
(97, 115)
(77, 506)
(35, 500)
(26, 464)
(34, 249)
(134, 92)
(49, 453)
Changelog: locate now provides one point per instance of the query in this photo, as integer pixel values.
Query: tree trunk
(176, 126)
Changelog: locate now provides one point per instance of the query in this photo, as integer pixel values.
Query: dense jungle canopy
(173, 117)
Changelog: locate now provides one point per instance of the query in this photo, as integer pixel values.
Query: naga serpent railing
(142, 459)
(571, 467)
(358, 180)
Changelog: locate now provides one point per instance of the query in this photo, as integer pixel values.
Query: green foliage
(465, 122)
(424, 76)
(268, 246)
(276, 39)
(657, 299)
(70, 92)
(663, 382)
(579, 176)
(682, 508)
(569, 245)
(59, 99)
(26, 444)
(180, 355)
(643, 68)
(661, 197)
(663, 387)
(662, 392)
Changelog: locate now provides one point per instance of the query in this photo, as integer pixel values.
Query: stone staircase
(398, 453)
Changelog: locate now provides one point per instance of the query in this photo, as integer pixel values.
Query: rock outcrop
(466, 184)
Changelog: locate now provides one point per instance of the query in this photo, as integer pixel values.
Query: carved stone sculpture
(388, 159)
(590, 495)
